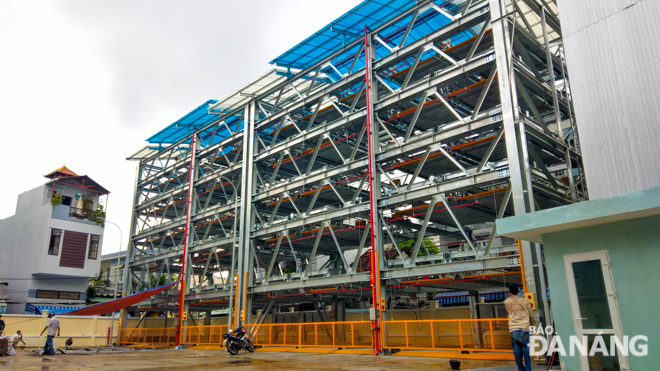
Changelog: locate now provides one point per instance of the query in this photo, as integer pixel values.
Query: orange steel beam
(407, 162)
(470, 276)
(457, 198)
(445, 50)
(522, 268)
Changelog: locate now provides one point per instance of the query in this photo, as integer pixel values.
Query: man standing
(520, 318)
(53, 327)
(16, 338)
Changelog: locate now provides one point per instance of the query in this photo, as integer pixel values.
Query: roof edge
(531, 227)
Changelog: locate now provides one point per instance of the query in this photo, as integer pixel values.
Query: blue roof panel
(197, 118)
(350, 26)
(371, 13)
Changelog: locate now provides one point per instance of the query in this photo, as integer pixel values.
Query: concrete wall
(85, 330)
(24, 239)
(23, 245)
(612, 51)
(634, 254)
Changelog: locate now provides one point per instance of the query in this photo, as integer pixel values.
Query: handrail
(478, 335)
(147, 335)
(344, 334)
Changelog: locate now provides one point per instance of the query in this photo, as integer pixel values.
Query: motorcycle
(237, 340)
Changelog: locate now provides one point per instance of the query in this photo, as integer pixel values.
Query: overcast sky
(84, 83)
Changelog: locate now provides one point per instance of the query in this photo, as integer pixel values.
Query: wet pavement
(195, 359)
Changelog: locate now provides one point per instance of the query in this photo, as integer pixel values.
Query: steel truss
(462, 133)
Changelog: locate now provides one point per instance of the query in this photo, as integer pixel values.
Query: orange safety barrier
(355, 334)
(151, 336)
(489, 335)
(203, 335)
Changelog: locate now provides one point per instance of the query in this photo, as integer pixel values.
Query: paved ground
(189, 359)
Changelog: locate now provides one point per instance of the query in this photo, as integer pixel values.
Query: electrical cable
(419, 307)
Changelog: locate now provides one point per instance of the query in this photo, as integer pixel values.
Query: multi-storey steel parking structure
(371, 162)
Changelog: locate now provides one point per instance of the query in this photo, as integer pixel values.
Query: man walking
(520, 318)
(53, 327)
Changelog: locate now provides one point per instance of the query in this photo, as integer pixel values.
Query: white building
(51, 247)
(108, 271)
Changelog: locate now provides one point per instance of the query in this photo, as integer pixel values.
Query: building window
(93, 247)
(50, 294)
(55, 239)
(69, 295)
(66, 200)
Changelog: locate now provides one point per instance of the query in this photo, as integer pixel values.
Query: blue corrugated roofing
(333, 37)
(344, 29)
(197, 118)
(350, 26)
(39, 309)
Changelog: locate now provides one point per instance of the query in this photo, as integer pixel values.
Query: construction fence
(489, 335)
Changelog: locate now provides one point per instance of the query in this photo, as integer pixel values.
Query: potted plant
(57, 199)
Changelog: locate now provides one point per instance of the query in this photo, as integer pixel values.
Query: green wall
(634, 251)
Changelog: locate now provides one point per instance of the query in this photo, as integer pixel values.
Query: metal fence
(489, 335)
(203, 335)
(148, 336)
(355, 334)
(460, 335)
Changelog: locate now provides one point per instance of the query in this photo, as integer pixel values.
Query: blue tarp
(39, 309)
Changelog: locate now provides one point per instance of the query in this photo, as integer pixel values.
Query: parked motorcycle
(237, 340)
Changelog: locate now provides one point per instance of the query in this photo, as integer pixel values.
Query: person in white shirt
(16, 338)
(53, 327)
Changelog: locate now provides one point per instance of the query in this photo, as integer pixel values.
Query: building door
(594, 308)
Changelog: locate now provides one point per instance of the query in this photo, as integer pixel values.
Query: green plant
(91, 294)
(407, 246)
(99, 216)
(57, 199)
(288, 271)
(161, 281)
(98, 282)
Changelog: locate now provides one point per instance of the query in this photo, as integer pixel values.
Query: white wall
(23, 244)
(613, 55)
(24, 239)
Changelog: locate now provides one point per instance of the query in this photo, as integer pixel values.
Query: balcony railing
(83, 214)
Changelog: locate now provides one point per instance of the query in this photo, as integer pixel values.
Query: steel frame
(461, 134)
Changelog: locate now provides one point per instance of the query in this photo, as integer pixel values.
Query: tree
(407, 246)
(91, 294)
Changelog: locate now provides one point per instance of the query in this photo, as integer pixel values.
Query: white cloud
(84, 83)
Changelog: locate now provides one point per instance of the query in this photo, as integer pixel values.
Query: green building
(602, 266)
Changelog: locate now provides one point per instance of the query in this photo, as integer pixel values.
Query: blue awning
(39, 309)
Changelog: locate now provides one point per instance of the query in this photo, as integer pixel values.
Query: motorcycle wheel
(249, 346)
(233, 348)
